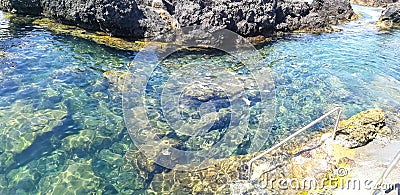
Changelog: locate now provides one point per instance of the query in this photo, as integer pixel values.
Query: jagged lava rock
(318, 15)
(141, 19)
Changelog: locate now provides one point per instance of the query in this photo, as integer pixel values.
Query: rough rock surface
(390, 17)
(24, 7)
(141, 18)
(374, 3)
(315, 156)
(362, 128)
(312, 17)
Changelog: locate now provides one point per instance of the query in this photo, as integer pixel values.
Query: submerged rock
(77, 178)
(390, 17)
(313, 157)
(362, 128)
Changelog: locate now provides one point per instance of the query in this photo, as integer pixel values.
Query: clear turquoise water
(61, 118)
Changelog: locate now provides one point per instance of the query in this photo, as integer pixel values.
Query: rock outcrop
(374, 3)
(390, 17)
(142, 18)
(362, 128)
(320, 14)
(32, 7)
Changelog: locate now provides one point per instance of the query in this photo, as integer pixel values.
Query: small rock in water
(390, 17)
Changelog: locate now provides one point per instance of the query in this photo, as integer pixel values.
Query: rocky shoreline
(314, 157)
(112, 24)
(390, 17)
(309, 156)
(144, 19)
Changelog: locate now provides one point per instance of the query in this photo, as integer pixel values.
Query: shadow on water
(45, 143)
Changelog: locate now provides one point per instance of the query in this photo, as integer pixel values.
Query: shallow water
(61, 120)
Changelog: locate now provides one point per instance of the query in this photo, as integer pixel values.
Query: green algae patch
(17, 19)
(98, 37)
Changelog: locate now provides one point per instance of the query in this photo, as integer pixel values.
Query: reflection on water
(61, 125)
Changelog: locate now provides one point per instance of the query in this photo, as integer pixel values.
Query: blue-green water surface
(61, 120)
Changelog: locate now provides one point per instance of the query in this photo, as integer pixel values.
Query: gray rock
(390, 17)
(318, 15)
(248, 18)
(119, 18)
(21, 6)
(145, 18)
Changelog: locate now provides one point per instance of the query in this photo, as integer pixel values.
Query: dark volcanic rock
(119, 18)
(21, 6)
(375, 3)
(390, 17)
(248, 18)
(313, 17)
(146, 18)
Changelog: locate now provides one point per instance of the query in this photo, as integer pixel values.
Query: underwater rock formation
(374, 3)
(362, 128)
(316, 156)
(390, 17)
(139, 19)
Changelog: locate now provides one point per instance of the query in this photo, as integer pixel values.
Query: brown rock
(361, 129)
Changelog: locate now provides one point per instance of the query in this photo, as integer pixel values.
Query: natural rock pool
(61, 120)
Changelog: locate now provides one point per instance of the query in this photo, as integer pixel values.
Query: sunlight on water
(61, 120)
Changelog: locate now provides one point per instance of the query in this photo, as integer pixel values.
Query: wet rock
(314, 17)
(119, 80)
(205, 91)
(24, 7)
(120, 18)
(362, 128)
(143, 160)
(315, 156)
(390, 17)
(21, 125)
(140, 19)
(248, 18)
(77, 178)
(374, 3)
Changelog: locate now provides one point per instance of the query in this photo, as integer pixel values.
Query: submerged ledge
(119, 43)
(98, 36)
(311, 157)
